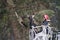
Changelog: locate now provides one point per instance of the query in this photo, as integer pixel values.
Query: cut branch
(19, 18)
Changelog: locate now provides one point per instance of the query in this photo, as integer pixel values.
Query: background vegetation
(10, 27)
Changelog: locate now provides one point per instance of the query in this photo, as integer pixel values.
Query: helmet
(46, 17)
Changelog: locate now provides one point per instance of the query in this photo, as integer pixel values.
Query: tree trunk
(13, 23)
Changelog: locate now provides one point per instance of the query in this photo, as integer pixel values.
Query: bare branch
(19, 18)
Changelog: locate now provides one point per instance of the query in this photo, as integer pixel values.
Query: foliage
(58, 7)
(25, 7)
(39, 16)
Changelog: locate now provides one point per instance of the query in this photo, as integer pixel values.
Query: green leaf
(39, 16)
